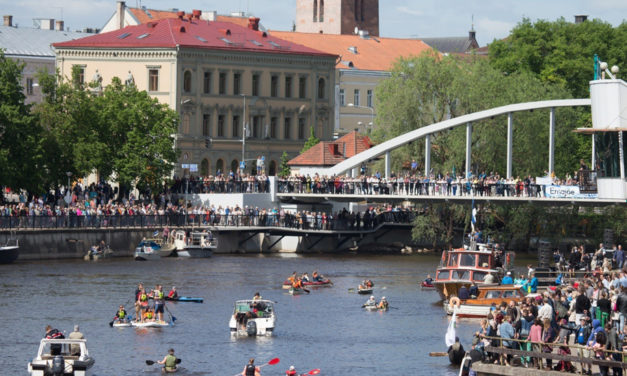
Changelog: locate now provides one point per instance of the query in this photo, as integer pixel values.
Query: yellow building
(216, 74)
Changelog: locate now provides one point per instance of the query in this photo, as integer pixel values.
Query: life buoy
(454, 302)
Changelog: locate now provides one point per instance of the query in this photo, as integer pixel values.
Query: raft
(364, 291)
(326, 283)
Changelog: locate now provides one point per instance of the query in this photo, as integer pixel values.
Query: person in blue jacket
(507, 280)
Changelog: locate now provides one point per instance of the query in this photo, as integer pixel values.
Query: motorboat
(147, 249)
(9, 251)
(488, 297)
(462, 266)
(253, 318)
(199, 245)
(98, 253)
(61, 357)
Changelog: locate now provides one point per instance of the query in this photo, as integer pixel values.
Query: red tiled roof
(195, 33)
(330, 153)
(372, 53)
(147, 15)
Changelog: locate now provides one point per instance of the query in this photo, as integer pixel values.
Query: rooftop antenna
(472, 22)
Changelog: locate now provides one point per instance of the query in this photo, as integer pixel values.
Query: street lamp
(368, 107)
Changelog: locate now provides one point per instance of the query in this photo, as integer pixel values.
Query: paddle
(169, 313)
(151, 362)
(438, 354)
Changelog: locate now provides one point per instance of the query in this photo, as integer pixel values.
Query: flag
(156, 233)
(473, 219)
(449, 339)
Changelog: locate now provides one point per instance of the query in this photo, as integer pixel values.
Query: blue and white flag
(473, 218)
(449, 339)
(156, 233)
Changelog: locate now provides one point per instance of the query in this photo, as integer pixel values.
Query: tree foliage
(311, 141)
(284, 168)
(437, 223)
(560, 52)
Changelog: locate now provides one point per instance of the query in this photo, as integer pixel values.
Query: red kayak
(426, 285)
(326, 282)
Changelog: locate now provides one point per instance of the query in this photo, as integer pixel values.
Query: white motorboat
(61, 357)
(199, 244)
(147, 250)
(9, 251)
(253, 318)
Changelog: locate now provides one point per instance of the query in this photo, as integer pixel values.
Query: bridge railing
(341, 221)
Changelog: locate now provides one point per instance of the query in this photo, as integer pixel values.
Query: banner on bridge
(566, 191)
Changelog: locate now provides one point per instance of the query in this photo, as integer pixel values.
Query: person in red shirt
(291, 371)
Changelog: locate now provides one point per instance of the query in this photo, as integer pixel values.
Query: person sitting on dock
(173, 294)
(507, 280)
(463, 293)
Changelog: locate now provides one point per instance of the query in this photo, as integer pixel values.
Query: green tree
(284, 168)
(437, 223)
(560, 52)
(20, 136)
(311, 141)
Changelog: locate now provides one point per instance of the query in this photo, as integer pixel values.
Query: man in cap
(507, 280)
(76, 334)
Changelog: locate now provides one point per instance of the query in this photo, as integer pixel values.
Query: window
(607, 150)
(461, 274)
(342, 99)
(302, 87)
(452, 259)
(509, 294)
(237, 78)
(187, 81)
(219, 166)
(468, 259)
(369, 99)
(484, 261)
(273, 125)
(81, 75)
(443, 274)
(492, 294)
(288, 87)
(257, 126)
(153, 80)
(478, 276)
(301, 128)
(287, 131)
(321, 88)
(206, 83)
(220, 125)
(236, 126)
(274, 86)
(29, 86)
(356, 9)
(222, 88)
(356, 98)
(255, 83)
(206, 125)
(321, 12)
(315, 11)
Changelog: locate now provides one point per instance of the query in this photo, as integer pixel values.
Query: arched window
(187, 81)
(219, 166)
(315, 10)
(234, 165)
(355, 10)
(204, 167)
(361, 11)
(321, 16)
(272, 170)
(321, 88)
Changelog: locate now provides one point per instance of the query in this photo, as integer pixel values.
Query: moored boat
(199, 245)
(480, 306)
(98, 253)
(9, 251)
(253, 318)
(61, 357)
(463, 266)
(147, 249)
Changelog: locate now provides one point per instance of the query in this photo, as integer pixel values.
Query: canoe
(364, 291)
(149, 324)
(326, 283)
(185, 299)
(374, 308)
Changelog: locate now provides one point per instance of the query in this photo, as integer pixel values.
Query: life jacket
(54, 334)
(158, 295)
(143, 298)
(148, 315)
(172, 294)
(170, 361)
(121, 314)
(250, 370)
(297, 284)
(291, 373)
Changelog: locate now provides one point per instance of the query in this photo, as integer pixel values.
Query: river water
(326, 329)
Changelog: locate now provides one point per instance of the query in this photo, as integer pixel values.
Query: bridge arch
(385, 147)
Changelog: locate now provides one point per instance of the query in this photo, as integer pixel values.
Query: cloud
(407, 10)
(493, 28)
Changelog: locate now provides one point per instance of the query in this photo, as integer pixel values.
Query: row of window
(258, 129)
(220, 167)
(318, 13)
(289, 83)
(357, 98)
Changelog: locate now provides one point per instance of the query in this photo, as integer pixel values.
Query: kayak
(149, 324)
(427, 286)
(185, 299)
(326, 283)
(364, 291)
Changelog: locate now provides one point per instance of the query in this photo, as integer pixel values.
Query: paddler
(305, 277)
(138, 290)
(316, 277)
(292, 278)
(159, 299)
(148, 316)
(120, 315)
(173, 294)
(250, 369)
(169, 361)
(291, 371)
(383, 304)
(298, 283)
(370, 302)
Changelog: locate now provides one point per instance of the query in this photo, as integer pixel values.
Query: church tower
(337, 16)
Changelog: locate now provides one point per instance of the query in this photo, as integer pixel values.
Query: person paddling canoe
(169, 361)
(173, 294)
(250, 369)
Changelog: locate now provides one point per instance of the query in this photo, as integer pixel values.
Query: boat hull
(327, 283)
(185, 299)
(140, 255)
(199, 252)
(9, 254)
(364, 291)
(468, 310)
(150, 324)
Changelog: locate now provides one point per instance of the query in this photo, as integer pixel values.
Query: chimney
(121, 11)
(8, 20)
(253, 23)
(180, 14)
(196, 13)
(580, 18)
(46, 24)
(59, 25)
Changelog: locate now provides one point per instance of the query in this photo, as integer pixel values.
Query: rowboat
(374, 308)
(68, 357)
(326, 283)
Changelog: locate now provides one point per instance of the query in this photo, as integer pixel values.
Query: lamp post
(69, 175)
(371, 112)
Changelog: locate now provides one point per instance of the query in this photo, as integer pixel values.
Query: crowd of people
(589, 312)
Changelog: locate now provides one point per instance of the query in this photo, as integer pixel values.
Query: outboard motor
(58, 366)
(251, 328)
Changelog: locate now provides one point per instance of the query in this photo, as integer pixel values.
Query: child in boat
(121, 315)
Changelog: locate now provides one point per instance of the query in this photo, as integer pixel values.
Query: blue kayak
(185, 299)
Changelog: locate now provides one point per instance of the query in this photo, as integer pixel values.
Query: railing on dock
(574, 349)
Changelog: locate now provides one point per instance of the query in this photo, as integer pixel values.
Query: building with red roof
(218, 76)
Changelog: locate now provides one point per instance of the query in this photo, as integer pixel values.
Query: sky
(492, 19)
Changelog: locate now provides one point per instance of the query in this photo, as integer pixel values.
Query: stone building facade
(337, 16)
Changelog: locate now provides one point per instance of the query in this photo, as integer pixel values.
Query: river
(326, 329)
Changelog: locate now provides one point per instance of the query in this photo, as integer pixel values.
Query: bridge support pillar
(468, 147)
(552, 141)
(427, 155)
(510, 140)
(388, 161)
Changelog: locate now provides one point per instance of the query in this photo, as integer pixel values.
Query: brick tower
(337, 16)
